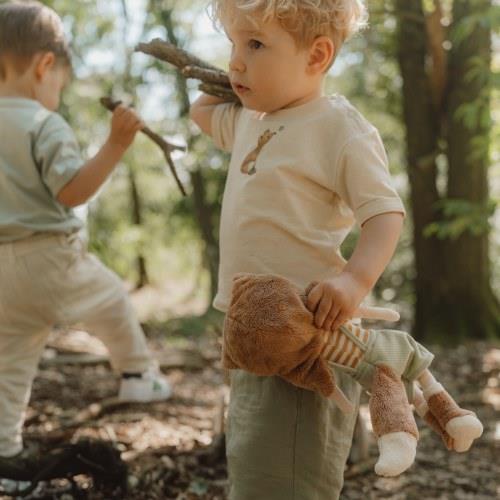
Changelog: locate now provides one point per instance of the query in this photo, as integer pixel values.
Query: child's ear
(44, 62)
(321, 54)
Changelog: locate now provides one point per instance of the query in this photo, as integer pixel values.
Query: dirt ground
(165, 444)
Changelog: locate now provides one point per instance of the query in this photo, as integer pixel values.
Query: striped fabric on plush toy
(342, 349)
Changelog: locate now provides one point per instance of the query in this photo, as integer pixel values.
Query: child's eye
(255, 44)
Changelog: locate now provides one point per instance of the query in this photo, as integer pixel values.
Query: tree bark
(421, 123)
(454, 299)
(474, 310)
(142, 275)
(203, 209)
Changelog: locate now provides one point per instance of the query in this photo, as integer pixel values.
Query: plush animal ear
(227, 362)
(321, 378)
(314, 375)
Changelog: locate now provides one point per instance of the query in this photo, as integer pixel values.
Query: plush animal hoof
(397, 453)
(465, 428)
(462, 445)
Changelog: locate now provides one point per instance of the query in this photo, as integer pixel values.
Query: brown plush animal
(269, 331)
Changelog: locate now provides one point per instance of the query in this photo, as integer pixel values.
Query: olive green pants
(284, 442)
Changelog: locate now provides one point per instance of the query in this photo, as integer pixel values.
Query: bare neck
(17, 86)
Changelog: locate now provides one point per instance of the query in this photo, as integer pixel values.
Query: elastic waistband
(35, 243)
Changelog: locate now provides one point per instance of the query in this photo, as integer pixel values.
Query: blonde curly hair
(303, 19)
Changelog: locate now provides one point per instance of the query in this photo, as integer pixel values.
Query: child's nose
(236, 63)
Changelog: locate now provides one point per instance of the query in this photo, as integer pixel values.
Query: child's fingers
(339, 321)
(322, 311)
(136, 123)
(314, 297)
(119, 110)
(331, 317)
(123, 113)
(130, 123)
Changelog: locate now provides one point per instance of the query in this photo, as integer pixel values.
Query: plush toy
(269, 331)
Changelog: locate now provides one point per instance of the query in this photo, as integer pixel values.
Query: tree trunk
(474, 310)
(421, 122)
(142, 275)
(202, 207)
(453, 295)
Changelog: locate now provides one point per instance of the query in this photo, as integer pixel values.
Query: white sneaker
(150, 386)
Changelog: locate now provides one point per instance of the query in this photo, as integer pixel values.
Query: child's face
(267, 71)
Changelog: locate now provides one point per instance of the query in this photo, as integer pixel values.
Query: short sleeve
(223, 126)
(363, 180)
(56, 153)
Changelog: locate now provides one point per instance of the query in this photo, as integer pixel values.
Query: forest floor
(165, 445)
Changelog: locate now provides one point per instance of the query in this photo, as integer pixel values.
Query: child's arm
(124, 125)
(201, 111)
(334, 300)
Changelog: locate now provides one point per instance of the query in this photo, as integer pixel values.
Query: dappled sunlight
(172, 298)
(491, 366)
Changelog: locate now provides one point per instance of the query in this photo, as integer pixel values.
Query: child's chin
(253, 106)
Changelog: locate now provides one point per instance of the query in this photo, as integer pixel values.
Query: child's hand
(124, 125)
(334, 301)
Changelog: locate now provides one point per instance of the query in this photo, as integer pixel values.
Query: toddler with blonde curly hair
(305, 167)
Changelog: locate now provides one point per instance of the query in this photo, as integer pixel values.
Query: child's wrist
(361, 280)
(114, 148)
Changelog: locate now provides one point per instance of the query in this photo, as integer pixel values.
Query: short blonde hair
(305, 20)
(27, 28)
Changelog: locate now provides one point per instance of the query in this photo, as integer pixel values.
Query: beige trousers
(50, 280)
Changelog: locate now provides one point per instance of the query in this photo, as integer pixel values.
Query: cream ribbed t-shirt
(298, 180)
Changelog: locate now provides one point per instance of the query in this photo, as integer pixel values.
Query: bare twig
(214, 81)
(174, 55)
(207, 75)
(166, 147)
(219, 91)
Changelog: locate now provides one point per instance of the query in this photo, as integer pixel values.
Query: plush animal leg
(393, 423)
(462, 425)
(423, 411)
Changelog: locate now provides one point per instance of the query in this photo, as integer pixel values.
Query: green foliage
(460, 216)
(488, 17)
(475, 114)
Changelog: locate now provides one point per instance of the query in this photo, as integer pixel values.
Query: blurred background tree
(425, 74)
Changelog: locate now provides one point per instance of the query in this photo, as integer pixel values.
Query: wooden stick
(218, 91)
(207, 75)
(166, 147)
(170, 53)
(214, 81)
